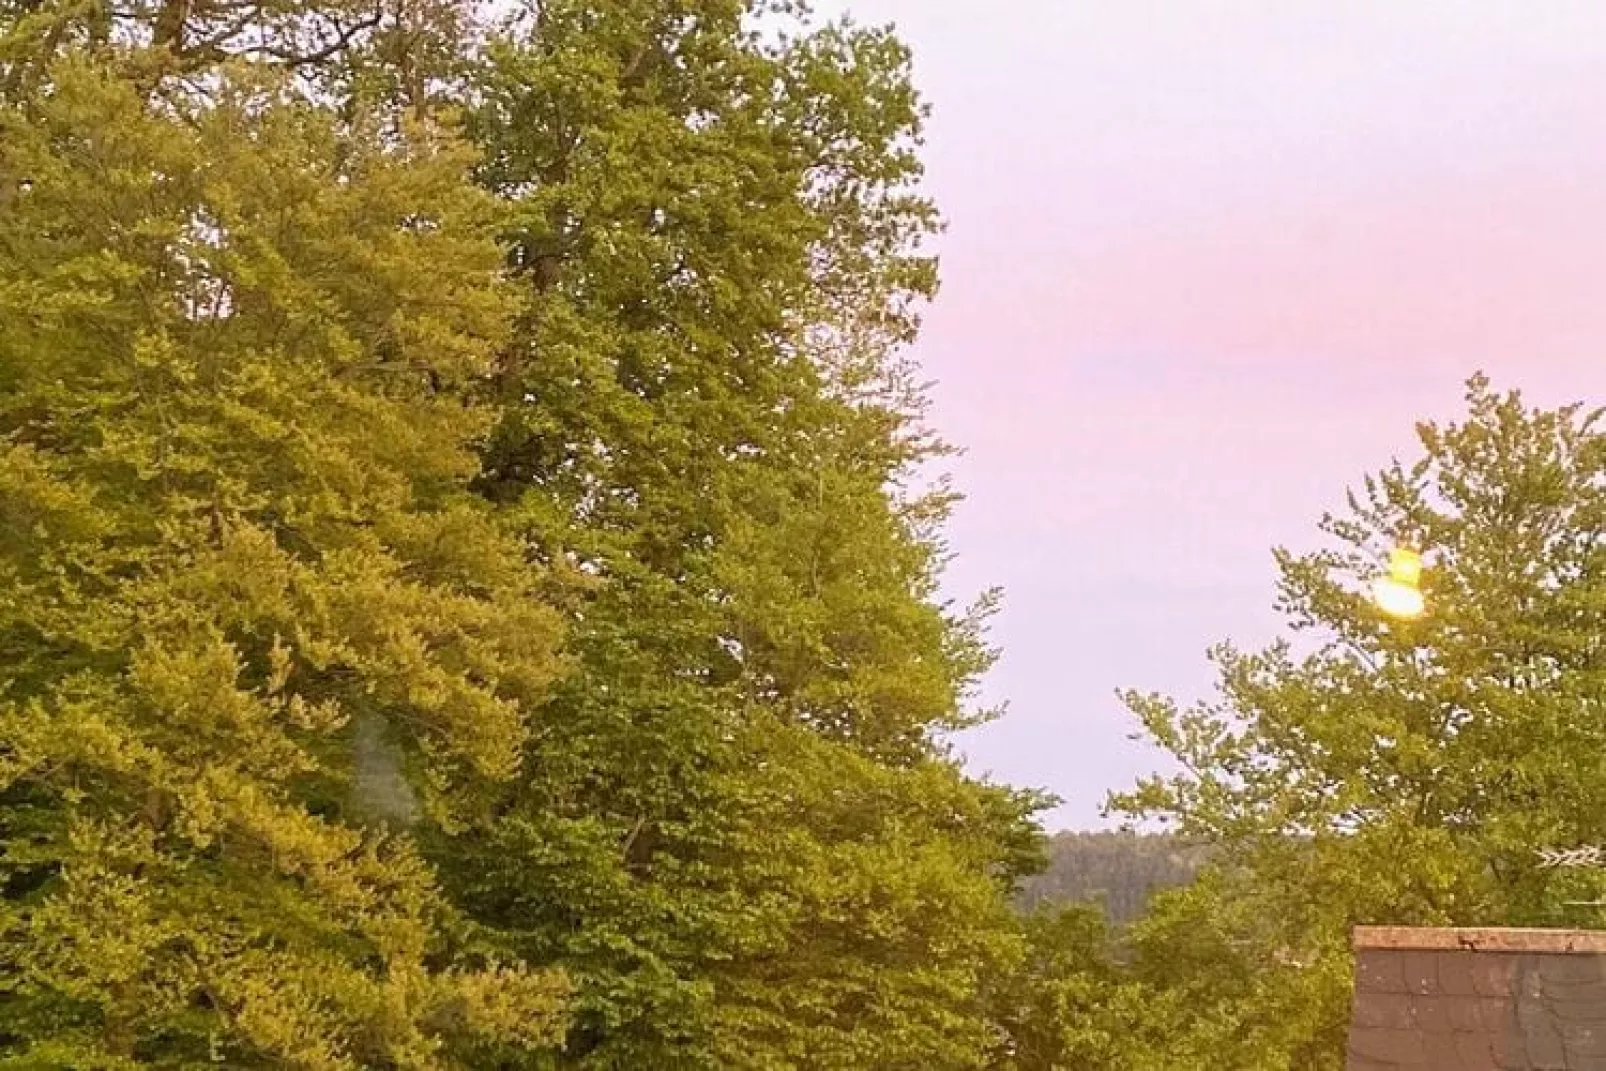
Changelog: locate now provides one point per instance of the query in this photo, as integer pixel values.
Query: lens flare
(1398, 599)
(1398, 592)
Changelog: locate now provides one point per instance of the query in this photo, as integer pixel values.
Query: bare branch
(344, 36)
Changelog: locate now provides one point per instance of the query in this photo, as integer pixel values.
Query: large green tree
(244, 583)
(738, 830)
(320, 435)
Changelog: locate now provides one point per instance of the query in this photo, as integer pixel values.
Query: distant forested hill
(1120, 869)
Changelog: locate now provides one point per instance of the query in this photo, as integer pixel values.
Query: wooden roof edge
(1479, 939)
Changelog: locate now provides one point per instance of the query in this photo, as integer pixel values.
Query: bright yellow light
(1398, 592)
(1398, 599)
(1405, 566)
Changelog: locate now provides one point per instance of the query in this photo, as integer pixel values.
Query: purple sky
(1206, 264)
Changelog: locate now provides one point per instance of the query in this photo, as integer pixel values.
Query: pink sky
(1206, 264)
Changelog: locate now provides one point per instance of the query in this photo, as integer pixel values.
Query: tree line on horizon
(1119, 870)
(470, 588)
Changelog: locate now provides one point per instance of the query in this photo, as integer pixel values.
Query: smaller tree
(1380, 771)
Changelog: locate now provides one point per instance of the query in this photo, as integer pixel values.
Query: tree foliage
(235, 522)
(1373, 771)
(469, 589)
(742, 794)
(467, 600)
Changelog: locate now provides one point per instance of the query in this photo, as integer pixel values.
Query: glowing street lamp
(1398, 592)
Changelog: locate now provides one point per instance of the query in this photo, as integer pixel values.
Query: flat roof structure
(1478, 1000)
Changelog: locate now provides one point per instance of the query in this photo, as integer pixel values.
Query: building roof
(1478, 1000)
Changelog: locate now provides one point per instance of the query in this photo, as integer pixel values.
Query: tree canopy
(470, 589)
(1367, 770)
(470, 581)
